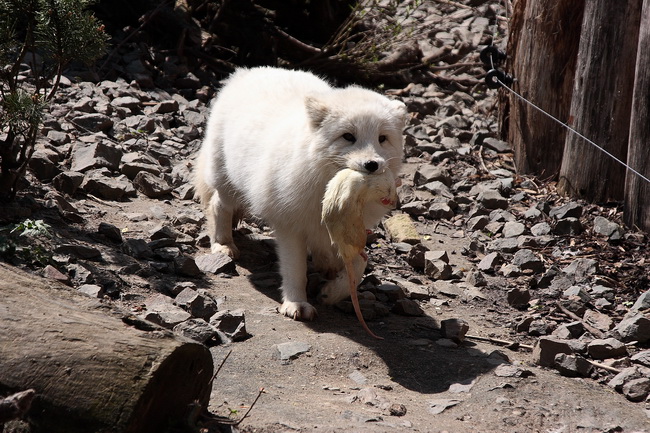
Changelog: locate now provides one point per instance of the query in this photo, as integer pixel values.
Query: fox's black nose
(371, 166)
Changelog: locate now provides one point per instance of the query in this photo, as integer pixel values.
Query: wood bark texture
(637, 190)
(601, 101)
(542, 49)
(93, 367)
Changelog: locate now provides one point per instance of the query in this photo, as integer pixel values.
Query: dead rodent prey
(347, 197)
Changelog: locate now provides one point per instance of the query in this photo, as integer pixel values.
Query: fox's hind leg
(219, 212)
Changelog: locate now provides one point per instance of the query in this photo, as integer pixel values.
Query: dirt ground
(347, 378)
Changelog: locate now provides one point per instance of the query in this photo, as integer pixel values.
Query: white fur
(273, 141)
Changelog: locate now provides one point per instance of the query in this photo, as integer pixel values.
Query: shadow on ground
(409, 347)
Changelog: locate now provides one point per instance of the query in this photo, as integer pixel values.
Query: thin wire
(573, 130)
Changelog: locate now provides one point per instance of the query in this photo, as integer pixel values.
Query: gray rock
(547, 348)
(492, 199)
(572, 365)
(508, 370)
(415, 208)
(493, 227)
(186, 266)
(137, 248)
(407, 307)
(476, 278)
(195, 303)
(93, 122)
(504, 245)
(478, 222)
(164, 107)
(416, 291)
(577, 291)
(536, 242)
(232, 324)
(110, 231)
(129, 102)
(527, 260)
(523, 324)
(96, 182)
(532, 213)
(497, 145)
(569, 330)
(490, 262)
(607, 228)
(518, 297)
(68, 181)
(79, 251)
(637, 389)
(438, 188)
(568, 227)
(437, 269)
(635, 326)
(164, 232)
(92, 290)
(628, 374)
(513, 229)
(569, 210)
(215, 263)
(454, 329)
(642, 358)
(540, 229)
(44, 164)
(198, 330)
(429, 172)
(151, 185)
(131, 169)
(439, 210)
(602, 291)
(598, 320)
(642, 302)
(447, 288)
(391, 291)
(291, 350)
(436, 255)
(415, 257)
(94, 155)
(581, 269)
(606, 348)
(163, 312)
(538, 327)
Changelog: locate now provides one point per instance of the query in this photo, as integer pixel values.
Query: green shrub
(43, 37)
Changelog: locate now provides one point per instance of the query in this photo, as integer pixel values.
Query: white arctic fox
(273, 141)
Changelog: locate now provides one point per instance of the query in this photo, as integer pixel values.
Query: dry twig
(596, 332)
(500, 342)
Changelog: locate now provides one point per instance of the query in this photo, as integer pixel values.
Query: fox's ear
(400, 111)
(317, 111)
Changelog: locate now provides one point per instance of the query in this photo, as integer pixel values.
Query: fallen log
(94, 368)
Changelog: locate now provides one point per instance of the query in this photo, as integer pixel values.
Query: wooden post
(601, 101)
(637, 190)
(93, 367)
(542, 50)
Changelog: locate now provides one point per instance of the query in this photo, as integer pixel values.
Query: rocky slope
(486, 285)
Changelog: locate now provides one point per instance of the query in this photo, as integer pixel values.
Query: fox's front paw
(298, 310)
(229, 249)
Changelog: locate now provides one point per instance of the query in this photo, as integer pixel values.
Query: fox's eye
(349, 137)
(382, 138)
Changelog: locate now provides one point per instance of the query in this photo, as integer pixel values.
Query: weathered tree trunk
(542, 46)
(94, 368)
(637, 190)
(601, 101)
